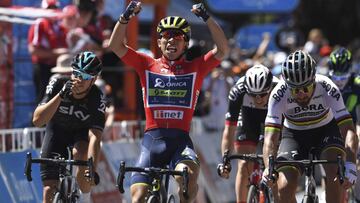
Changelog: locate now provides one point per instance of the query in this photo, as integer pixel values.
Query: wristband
(122, 20)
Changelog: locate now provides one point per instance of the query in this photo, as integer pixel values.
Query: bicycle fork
(310, 189)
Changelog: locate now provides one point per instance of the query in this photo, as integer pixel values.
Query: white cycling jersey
(325, 104)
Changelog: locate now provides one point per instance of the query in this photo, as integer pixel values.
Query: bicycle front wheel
(253, 195)
(308, 199)
(171, 199)
(58, 198)
(153, 199)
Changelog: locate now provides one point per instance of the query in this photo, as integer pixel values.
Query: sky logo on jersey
(167, 114)
(170, 90)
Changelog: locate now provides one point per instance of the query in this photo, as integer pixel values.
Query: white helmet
(298, 69)
(258, 79)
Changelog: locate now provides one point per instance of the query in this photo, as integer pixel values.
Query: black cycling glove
(129, 12)
(202, 13)
(65, 92)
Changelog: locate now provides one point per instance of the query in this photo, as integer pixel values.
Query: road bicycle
(158, 192)
(308, 165)
(67, 190)
(258, 191)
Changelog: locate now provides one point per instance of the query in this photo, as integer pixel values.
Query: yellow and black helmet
(174, 23)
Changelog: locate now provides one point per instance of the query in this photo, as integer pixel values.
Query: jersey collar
(166, 61)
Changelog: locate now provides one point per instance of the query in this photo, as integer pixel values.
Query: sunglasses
(172, 34)
(82, 75)
(305, 89)
(261, 94)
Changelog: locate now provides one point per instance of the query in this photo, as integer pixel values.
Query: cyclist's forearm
(94, 145)
(348, 132)
(228, 139)
(270, 146)
(220, 40)
(117, 39)
(351, 146)
(44, 113)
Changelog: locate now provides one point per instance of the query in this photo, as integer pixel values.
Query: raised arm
(117, 41)
(43, 113)
(222, 49)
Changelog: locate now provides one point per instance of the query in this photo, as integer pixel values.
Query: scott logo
(163, 114)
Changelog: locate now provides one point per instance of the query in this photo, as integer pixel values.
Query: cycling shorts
(55, 143)
(161, 148)
(297, 144)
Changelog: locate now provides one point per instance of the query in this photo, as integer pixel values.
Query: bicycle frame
(67, 187)
(155, 174)
(308, 165)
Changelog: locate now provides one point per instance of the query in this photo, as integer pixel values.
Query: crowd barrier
(12, 140)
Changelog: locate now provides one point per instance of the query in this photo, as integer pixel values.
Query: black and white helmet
(298, 69)
(258, 79)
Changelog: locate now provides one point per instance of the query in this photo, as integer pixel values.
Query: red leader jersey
(170, 88)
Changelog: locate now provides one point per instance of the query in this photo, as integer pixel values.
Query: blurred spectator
(50, 4)
(46, 41)
(63, 65)
(278, 59)
(314, 43)
(216, 87)
(322, 64)
(288, 38)
(88, 24)
(6, 77)
(248, 57)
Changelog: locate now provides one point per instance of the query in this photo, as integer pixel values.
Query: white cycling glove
(350, 172)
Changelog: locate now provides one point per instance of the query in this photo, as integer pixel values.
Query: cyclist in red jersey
(170, 86)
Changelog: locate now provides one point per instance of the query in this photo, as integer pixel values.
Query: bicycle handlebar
(306, 163)
(248, 157)
(57, 162)
(152, 171)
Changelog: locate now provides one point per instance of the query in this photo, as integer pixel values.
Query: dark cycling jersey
(243, 113)
(170, 88)
(76, 114)
(70, 123)
(351, 96)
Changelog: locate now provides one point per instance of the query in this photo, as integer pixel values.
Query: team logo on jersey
(159, 83)
(70, 110)
(332, 91)
(50, 86)
(311, 107)
(168, 114)
(170, 90)
(280, 92)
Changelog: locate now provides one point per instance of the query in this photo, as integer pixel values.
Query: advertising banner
(15, 184)
(253, 6)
